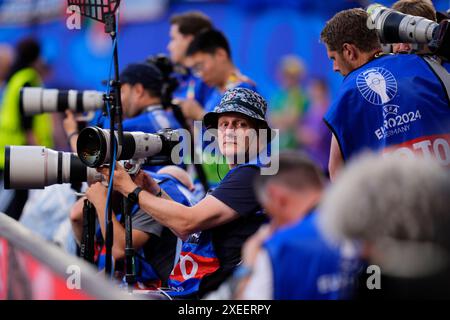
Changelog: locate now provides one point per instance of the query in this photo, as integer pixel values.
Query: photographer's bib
(394, 104)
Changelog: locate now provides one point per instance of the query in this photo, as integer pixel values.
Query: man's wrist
(128, 189)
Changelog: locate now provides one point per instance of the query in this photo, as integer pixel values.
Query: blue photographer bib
(306, 267)
(197, 259)
(145, 273)
(393, 104)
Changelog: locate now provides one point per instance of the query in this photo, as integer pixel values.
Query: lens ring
(92, 146)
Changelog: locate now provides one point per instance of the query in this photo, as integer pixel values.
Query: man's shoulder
(239, 80)
(242, 171)
(304, 228)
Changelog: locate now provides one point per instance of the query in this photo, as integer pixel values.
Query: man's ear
(350, 51)
(221, 54)
(139, 89)
(277, 195)
(188, 38)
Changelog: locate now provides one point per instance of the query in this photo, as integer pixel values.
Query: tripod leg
(130, 275)
(87, 241)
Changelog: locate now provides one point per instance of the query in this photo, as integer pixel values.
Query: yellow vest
(11, 131)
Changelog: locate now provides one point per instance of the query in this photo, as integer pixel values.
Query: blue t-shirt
(192, 87)
(306, 267)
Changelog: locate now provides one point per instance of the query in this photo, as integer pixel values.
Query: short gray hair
(405, 199)
(296, 171)
(399, 205)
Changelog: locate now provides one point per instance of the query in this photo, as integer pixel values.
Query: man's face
(207, 67)
(129, 100)
(401, 48)
(178, 44)
(340, 63)
(235, 134)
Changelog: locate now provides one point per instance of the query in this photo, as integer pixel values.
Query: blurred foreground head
(398, 209)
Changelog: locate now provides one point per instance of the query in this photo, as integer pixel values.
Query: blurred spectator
(398, 209)
(6, 59)
(313, 133)
(289, 103)
(183, 28)
(290, 259)
(15, 127)
(210, 57)
(420, 8)
(191, 89)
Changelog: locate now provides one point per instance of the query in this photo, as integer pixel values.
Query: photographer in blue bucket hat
(231, 213)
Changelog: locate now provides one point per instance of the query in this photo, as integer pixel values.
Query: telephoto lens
(93, 145)
(34, 167)
(395, 27)
(38, 100)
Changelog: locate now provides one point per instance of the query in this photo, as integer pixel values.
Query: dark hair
(209, 41)
(421, 8)
(296, 171)
(146, 74)
(28, 51)
(350, 26)
(191, 22)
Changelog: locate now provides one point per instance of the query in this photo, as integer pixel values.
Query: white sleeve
(260, 284)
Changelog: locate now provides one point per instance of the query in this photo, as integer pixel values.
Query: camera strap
(436, 65)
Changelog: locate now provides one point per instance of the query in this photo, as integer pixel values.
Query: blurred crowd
(359, 205)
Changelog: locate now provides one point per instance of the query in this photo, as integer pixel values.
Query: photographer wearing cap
(141, 102)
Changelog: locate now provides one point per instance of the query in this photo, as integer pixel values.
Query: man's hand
(192, 109)
(70, 124)
(252, 246)
(122, 180)
(146, 182)
(96, 194)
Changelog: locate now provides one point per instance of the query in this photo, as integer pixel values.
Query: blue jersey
(199, 258)
(394, 103)
(305, 266)
(192, 87)
(152, 120)
(144, 270)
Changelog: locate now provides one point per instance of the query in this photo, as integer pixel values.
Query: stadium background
(260, 32)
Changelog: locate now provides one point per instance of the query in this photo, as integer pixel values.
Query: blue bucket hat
(239, 100)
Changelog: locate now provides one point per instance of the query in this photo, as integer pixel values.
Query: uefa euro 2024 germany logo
(377, 85)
